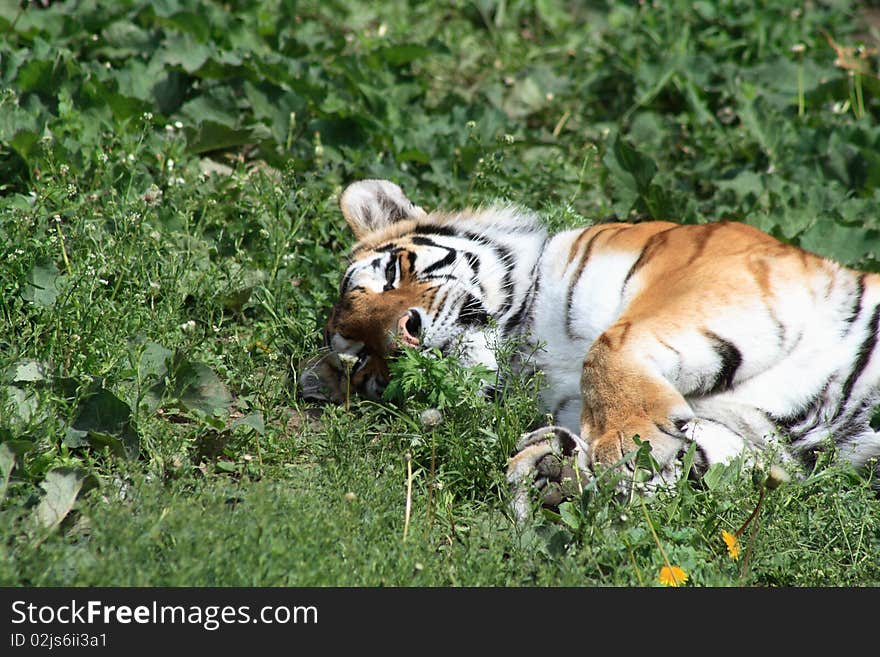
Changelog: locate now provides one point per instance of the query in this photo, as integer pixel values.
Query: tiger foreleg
(627, 395)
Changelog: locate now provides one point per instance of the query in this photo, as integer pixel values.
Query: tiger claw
(552, 460)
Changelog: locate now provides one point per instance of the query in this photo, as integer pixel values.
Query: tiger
(715, 338)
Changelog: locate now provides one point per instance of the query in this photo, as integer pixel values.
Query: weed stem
(408, 507)
(63, 247)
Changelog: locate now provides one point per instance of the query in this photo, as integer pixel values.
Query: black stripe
(701, 464)
(509, 262)
(446, 260)
(857, 306)
(501, 252)
(346, 280)
(862, 359)
(846, 430)
(437, 305)
(651, 245)
(472, 312)
(731, 359)
(423, 229)
(473, 260)
(517, 317)
(582, 265)
(810, 409)
(673, 434)
(528, 302)
(390, 273)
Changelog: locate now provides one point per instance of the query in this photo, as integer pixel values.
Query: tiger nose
(408, 328)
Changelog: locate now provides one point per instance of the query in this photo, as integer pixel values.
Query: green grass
(169, 176)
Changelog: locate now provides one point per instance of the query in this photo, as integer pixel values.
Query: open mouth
(408, 328)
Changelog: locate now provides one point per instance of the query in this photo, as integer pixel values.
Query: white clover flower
(153, 195)
(188, 327)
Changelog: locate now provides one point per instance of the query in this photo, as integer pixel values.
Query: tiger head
(415, 280)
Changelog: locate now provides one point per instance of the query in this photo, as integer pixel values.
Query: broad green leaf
(203, 389)
(569, 515)
(630, 175)
(526, 97)
(847, 244)
(7, 463)
(744, 185)
(154, 361)
(211, 136)
(554, 14)
(27, 370)
(714, 476)
(61, 488)
(722, 474)
(41, 287)
(207, 109)
(404, 53)
(189, 385)
(192, 23)
(253, 420)
(22, 404)
(275, 107)
(102, 419)
(124, 39)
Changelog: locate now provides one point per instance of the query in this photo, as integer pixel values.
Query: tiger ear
(369, 205)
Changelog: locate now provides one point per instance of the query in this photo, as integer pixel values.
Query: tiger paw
(619, 448)
(551, 460)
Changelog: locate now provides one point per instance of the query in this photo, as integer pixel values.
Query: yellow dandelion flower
(732, 543)
(673, 576)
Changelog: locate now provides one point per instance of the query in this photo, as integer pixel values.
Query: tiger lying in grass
(716, 334)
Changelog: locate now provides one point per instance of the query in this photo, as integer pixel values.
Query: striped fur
(716, 334)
